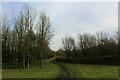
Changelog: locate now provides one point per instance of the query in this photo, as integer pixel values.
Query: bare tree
(102, 38)
(45, 34)
(68, 45)
(24, 24)
(19, 27)
(29, 16)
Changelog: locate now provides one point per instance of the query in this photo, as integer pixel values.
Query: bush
(104, 60)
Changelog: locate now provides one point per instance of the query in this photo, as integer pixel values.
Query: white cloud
(110, 22)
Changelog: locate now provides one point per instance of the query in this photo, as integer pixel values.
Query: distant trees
(89, 45)
(85, 41)
(90, 49)
(68, 45)
(26, 43)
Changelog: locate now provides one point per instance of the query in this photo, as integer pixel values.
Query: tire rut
(64, 71)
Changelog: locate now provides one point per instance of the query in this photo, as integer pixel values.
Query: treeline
(90, 48)
(26, 38)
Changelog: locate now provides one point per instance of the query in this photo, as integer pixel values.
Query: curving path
(64, 73)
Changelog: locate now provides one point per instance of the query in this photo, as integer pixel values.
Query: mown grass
(50, 70)
(92, 71)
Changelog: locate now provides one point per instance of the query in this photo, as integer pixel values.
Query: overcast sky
(70, 18)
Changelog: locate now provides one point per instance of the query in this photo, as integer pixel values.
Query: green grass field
(92, 71)
(52, 70)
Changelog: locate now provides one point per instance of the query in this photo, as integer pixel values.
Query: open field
(58, 70)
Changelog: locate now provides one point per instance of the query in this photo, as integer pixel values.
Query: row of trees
(27, 38)
(90, 45)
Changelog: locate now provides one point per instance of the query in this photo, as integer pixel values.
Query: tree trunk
(38, 58)
(23, 62)
(27, 61)
(18, 62)
(41, 61)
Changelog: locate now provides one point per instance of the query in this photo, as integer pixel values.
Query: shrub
(104, 60)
